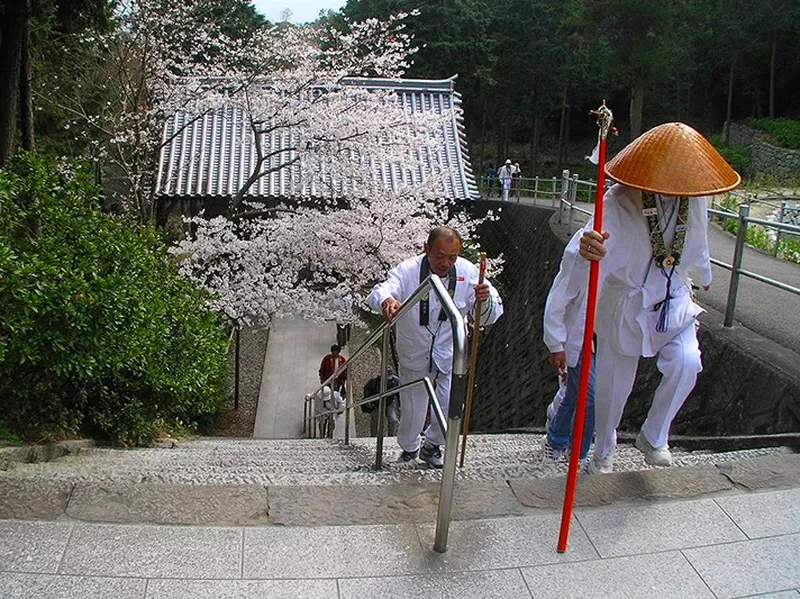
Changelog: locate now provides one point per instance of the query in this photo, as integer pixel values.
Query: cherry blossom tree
(291, 92)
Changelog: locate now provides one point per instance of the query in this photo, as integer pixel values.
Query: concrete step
(216, 461)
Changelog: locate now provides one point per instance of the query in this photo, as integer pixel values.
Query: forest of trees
(530, 70)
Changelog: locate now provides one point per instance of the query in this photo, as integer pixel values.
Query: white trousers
(414, 408)
(679, 363)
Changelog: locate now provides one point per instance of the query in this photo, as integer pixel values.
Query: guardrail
(450, 423)
(743, 218)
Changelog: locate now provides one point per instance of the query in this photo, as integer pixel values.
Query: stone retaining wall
(749, 384)
(766, 158)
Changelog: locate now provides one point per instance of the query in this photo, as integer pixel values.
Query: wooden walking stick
(473, 363)
(604, 120)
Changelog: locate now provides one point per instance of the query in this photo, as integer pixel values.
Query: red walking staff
(604, 120)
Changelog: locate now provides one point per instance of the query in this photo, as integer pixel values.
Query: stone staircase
(319, 462)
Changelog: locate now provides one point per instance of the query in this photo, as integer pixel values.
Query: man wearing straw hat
(655, 239)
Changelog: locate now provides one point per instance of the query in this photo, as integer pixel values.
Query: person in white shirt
(424, 337)
(564, 320)
(654, 240)
(505, 174)
(328, 407)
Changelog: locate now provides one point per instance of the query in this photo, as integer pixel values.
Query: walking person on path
(655, 239)
(505, 175)
(424, 337)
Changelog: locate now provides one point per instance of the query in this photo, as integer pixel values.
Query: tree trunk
(772, 77)
(637, 104)
(561, 131)
(729, 110)
(25, 95)
(13, 26)
(534, 169)
(482, 144)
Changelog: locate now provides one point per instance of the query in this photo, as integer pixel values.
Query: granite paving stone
(618, 531)
(32, 546)
(766, 472)
(153, 551)
(793, 594)
(749, 567)
(764, 514)
(656, 576)
(386, 504)
(143, 503)
(504, 543)
(49, 586)
(646, 485)
(242, 589)
(496, 584)
(33, 499)
(326, 552)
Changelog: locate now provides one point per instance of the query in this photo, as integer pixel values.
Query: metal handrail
(458, 386)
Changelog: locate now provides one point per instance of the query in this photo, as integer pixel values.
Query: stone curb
(255, 505)
(29, 454)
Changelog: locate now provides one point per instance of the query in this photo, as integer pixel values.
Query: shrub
(785, 131)
(98, 334)
(737, 156)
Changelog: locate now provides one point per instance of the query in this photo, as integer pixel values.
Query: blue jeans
(560, 431)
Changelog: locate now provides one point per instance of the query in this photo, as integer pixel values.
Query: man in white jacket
(505, 174)
(654, 239)
(424, 337)
(564, 323)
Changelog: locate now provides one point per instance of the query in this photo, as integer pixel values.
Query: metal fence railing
(450, 423)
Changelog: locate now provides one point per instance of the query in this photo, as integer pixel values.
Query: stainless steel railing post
(736, 265)
(565, 181)
(382, 400)
(454, 415)
(778, 232)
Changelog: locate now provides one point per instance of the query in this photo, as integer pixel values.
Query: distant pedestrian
(373, 387)
(491, 181)
(329, 365)
(516, 179)
(328, 406)
(505, 175)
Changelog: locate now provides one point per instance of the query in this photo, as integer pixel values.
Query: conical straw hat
(673, 159)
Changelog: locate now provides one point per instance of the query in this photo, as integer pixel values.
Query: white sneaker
(551, 455)
(655, 456)
(601, 465)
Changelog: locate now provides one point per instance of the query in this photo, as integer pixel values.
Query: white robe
(428, 350)
(417, 343)
(630, 288)
(565, 309)
(630, 283)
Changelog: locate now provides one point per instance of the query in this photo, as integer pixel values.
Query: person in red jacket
(329, 364)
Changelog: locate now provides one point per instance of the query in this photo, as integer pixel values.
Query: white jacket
(631, 285)
(565, 310)
(416, 344)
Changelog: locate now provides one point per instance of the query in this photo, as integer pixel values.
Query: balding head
(442, 249)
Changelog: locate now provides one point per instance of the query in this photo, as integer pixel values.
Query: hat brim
(673, 159)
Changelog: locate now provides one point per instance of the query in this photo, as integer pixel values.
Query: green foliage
(9, 439)
(737, 156)
(785, 131)
(98, 334)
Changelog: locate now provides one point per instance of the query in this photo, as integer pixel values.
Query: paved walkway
(294, 352)
(762, 308)
(729, 546)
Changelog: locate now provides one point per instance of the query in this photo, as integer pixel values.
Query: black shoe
(431, 454)
(408, 457)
